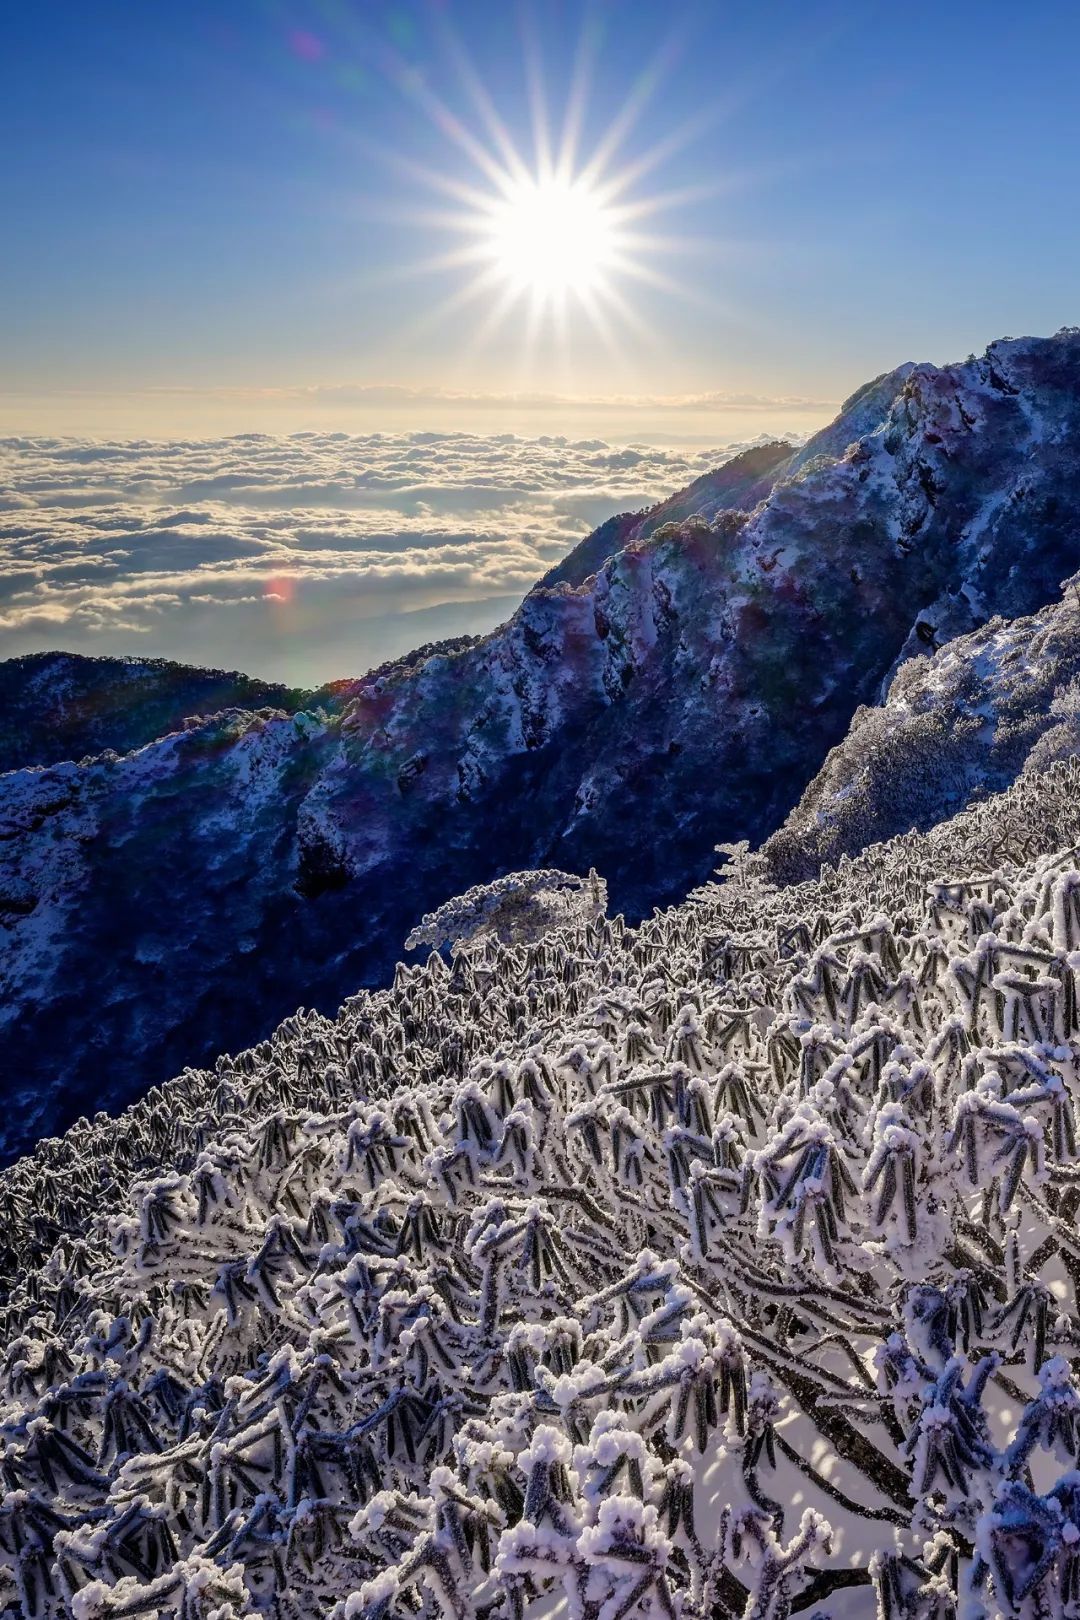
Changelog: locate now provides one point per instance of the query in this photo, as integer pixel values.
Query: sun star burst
(551, 230)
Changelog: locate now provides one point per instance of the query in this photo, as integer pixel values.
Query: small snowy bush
(517, 908)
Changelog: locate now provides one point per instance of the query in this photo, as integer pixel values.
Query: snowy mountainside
(107, 880)
(57, 706)
(725, 1266)
(962, 721)
(738, 484)
(862, 413)
(156, 911)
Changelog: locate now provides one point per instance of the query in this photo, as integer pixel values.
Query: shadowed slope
(60, 705)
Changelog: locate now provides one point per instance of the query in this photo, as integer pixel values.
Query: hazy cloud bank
(395, 395)
(302, 557)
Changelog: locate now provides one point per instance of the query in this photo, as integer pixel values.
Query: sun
(544, 227)
(552, 236)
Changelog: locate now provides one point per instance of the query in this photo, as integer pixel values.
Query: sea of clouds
(303, 557)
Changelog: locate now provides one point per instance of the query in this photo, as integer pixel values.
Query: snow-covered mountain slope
(727, 1266)
(738, 484)
(60, 706)
(163, 906)
(56, 706)
(956, 724)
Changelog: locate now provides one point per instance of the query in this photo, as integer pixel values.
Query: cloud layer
(304, 557)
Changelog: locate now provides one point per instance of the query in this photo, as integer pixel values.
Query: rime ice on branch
(707, 1269)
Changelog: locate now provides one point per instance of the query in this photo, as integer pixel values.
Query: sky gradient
(222, 218)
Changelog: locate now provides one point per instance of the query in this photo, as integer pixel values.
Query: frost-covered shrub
(518, 908)
(723, 1266)
(998, 701)
(1062, 739)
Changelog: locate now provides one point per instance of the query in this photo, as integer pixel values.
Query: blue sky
(214, 212)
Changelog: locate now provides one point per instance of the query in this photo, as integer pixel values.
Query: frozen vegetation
(522, 906)
(963, 720)
(680, 680)
(722, 1266)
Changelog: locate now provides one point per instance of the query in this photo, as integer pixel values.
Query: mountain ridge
(685, 691)
(737, 485)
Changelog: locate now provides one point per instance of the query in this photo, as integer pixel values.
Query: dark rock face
(180, 900)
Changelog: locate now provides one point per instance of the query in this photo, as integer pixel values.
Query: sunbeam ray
(573, 120)
(548, 232)
(538, 107)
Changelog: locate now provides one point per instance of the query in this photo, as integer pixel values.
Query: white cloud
(301, 557)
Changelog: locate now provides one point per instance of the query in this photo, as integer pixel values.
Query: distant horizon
(716, 418)
(441, 210)
(165, 414)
